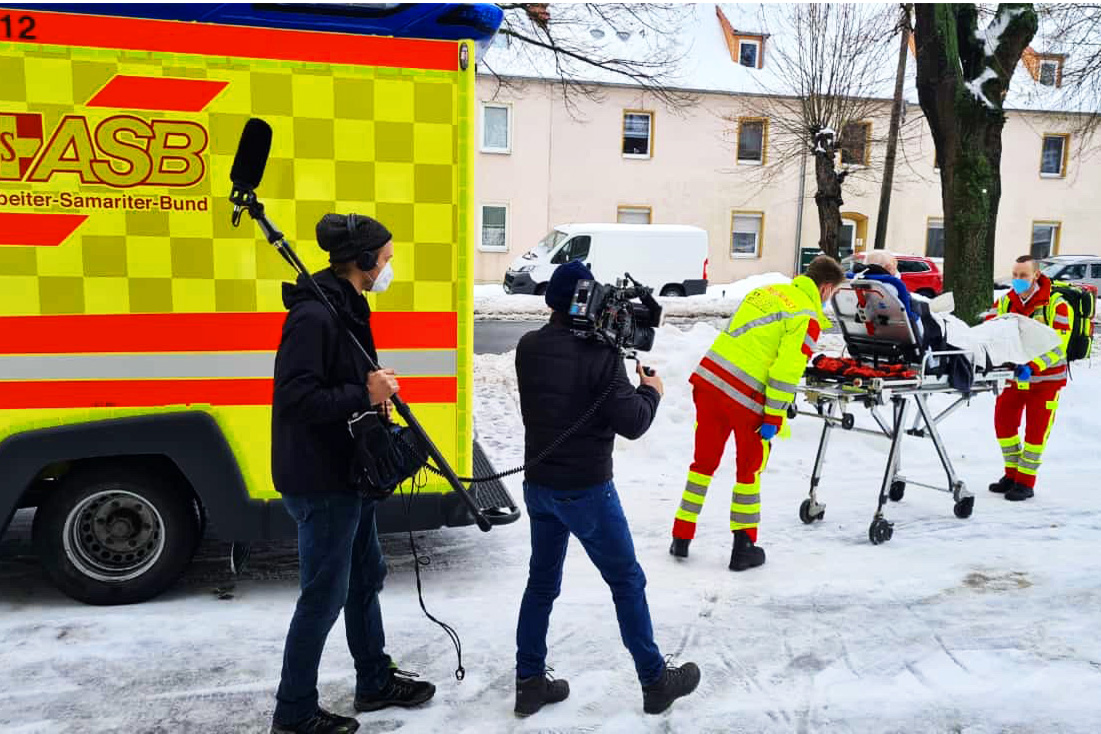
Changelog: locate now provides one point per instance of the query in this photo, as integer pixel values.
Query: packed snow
(980, 625)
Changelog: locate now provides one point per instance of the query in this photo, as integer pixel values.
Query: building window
(494, 228)
(749, 53)
(854, 143)
(637, 134)
(934, 238)
(1053, 158)
(752, 139)
(496, 128)
(1050, 72)
(634, 215)
(747, 229)
(1045, 239)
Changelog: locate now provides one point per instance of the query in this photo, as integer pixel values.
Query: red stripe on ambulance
(157, 93)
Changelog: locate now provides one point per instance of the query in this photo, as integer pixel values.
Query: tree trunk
(966, 120)
(892, 136)
(828, 200)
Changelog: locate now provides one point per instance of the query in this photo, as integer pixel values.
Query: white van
(670, 258)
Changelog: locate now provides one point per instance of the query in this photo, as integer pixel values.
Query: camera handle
(247, 201)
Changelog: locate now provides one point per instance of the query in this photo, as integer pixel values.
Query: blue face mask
(1021, 285)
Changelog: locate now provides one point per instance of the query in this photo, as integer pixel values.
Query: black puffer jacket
(320, 380)
(560, 376)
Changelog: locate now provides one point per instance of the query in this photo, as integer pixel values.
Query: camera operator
(560, 376)
(321, 380)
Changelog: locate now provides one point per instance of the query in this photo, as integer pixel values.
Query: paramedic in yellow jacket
(744, 385)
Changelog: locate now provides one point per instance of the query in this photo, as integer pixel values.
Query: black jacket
(320, 381)
(560, 376)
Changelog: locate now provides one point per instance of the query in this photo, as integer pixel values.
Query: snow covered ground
(980, 625)
(491, 301)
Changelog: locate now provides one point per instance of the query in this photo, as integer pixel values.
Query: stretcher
(880, 336)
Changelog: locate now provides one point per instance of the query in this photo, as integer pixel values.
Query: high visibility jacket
(759, 359)
(1048, 308)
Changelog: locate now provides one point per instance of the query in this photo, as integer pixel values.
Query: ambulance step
(492, 498)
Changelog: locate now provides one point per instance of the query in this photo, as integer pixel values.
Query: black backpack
(1083, 306)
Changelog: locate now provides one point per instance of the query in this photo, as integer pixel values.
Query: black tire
(673, 291)
(880, 531)
(541, 289)
(116, 534)
(897, 491)
(964, 508)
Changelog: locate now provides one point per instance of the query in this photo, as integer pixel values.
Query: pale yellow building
(714, 164)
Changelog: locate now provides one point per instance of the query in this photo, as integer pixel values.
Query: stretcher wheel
(897, 492)
(792, 411)
(964, 508)
(806, 517)
(880, 531)
(848, 421)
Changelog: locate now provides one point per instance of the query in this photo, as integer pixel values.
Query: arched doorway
(853, 236)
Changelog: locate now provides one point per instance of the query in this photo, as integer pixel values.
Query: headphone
(367, 260)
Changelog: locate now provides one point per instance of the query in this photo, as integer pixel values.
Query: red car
(920, 274)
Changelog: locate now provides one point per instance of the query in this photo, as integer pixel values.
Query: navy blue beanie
(564, 282)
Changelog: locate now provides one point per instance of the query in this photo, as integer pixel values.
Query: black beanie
(563, 283)
(344, 244)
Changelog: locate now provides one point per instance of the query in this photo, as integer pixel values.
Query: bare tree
(583, 46)
(1071, 35)
(963, 76)
(830, 72)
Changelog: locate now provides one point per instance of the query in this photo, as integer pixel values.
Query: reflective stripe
(1060, 322)
(750, 381)
(202, 365)
(747, 499)
(700, 480)
(732, 393)
(786, 387)
(1048, 360)
(745, 518)
(811, 343)
(1060, 375)
(768, 319)
(1010, 441)
(1011, 450)
(776, 404)
(692, 507)
(1027, 455)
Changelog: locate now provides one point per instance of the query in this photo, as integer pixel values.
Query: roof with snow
(705, 60)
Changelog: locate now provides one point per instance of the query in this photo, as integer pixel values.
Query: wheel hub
(114, 535)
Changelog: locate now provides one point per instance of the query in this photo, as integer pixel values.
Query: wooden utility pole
(892, 136)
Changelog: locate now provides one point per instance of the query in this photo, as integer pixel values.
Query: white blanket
(1007, 339)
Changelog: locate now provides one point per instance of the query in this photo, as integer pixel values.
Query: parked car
(670, 258)
(1081, 269)
(921, 275)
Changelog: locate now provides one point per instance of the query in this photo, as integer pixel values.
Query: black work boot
(679, 548)
(400, 690)
(675, 683)
(1019, 493)
(1003, 485)
(535, 692)
(320, 723)
(746, 554)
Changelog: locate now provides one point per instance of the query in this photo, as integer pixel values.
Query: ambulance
(138, 326)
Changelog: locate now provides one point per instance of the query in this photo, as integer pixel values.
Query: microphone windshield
(252, 155)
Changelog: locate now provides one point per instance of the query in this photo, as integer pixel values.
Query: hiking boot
(320, 723)
(675, 683)
(746, 554)
(679, 548)
(1019, 493)
(1003, 485)
(400, 690)
(535, 692)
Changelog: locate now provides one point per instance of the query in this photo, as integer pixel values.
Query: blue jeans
(340, 566)
(596, 517)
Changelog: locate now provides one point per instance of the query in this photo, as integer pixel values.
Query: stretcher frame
(888, 338)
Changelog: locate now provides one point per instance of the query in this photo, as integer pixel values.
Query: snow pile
(720, 301)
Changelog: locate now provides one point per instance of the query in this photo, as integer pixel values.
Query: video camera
(611, 315)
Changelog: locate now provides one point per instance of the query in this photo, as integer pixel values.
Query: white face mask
(382, 282)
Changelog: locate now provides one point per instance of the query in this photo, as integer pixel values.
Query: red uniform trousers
(717, 416)
(1037, 404)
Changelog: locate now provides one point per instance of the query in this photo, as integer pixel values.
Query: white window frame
(649, 135)
(756, 254)
(507, 150)
(481, 226)
(1054, 76)
(756, 56)
(1055, 228)
(1063, 155)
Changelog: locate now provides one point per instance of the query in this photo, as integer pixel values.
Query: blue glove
(1023, 373)
(769, 431)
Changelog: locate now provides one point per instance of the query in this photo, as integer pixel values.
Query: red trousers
(716, 418)
(1037, 405)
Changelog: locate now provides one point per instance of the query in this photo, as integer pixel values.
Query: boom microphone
(252, 155)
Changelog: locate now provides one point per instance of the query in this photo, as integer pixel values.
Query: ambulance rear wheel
(116, 534)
